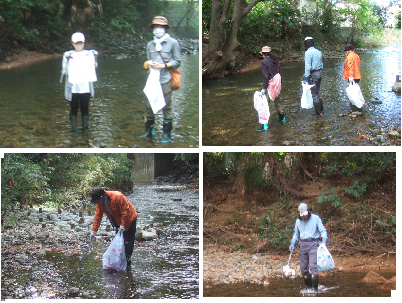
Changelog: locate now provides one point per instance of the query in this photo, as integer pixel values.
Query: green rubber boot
(149, 128)
(167, 127)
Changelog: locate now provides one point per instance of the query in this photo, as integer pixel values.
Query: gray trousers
(316, 76)
(167, 110)
(308, 256)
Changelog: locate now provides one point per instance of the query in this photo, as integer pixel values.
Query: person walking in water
(308, 229)
(313, 73)
(351, 70)
(272, 81)
(164, 54)
(79, 67)
(121, 214)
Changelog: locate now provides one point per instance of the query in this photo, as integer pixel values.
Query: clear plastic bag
(324, 259)
(261, 105)
(115, 256)
(355, 94)
(307, 97)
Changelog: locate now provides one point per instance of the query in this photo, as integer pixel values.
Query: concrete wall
(147, 167)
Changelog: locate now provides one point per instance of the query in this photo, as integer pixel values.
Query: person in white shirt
(79, 66)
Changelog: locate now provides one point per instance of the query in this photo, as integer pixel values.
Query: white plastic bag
(153, 90)
(307, 97)
(355, 94)
(324, 259)
(115, 255)
(261, 105)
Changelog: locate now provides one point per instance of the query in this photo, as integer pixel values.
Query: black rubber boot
(74, 123)
(307, 281)
(85, 124)
(282, 117)
(128, 248)
(149, 128)
(314, 281)
(167, 127)
(322, 106)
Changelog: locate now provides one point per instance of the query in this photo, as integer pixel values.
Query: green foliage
(362, 210)
(332, 198)
(279, 237)
(357, 189)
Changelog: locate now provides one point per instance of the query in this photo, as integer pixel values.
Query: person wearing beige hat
(163, 52)
(79, 67)
(272, 81)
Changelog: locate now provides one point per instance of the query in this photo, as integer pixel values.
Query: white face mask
(159, 32)
(79, 47)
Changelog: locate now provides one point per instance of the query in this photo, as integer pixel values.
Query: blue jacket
(312, 60)
(311, 228)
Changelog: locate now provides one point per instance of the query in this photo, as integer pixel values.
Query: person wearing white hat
(308, 229)
(165, 54)
(79, 67)
(313, 73)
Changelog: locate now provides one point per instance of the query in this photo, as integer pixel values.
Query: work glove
(263, 91)
(304, 79)
(351, 79)
(122, 229)
(146, 66)
(324, 241)
(292, 245)
(92, 235)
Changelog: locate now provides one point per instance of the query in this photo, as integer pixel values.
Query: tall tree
(223, 35)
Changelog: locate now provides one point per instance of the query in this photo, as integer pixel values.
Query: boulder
(149, 235)
(73, 291)
(373, 277)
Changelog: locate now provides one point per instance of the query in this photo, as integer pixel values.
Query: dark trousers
(129, 237)
(316, 76)
(308, 257)
(80, 101)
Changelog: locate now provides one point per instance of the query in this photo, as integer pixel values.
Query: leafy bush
(279, 237)
(333, 198)
(357, 189)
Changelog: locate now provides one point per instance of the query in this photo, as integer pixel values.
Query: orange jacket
(352, 66)
(122, 211)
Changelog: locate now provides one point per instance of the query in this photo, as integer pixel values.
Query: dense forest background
(251, 199)
(46, 25)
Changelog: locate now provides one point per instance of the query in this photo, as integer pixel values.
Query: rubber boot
(264, 127)
(282, 117)
(167, 127)
(307, 281)
(314, 281)
(149, 128)
(128, 248)
(85, 124)
(322, 106)
(74, 123)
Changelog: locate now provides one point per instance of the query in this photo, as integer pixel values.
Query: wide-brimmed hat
(77, 37)
(97, 195)
(266, 49)
(348, 47)
(159, 20)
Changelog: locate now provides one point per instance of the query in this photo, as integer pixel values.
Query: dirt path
(25, 57)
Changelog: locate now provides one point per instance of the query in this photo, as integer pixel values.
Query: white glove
(351, 79)
(263, 91)
(92, 235)
(122, 229)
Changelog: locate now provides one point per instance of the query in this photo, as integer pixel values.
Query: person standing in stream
(271, 86)
(308, 229)
(351, 70)
(79, 66)
(164, 53)
(121, 214)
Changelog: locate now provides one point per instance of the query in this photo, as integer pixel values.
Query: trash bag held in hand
(261, 105)
(355, 94)
(307, 97)
(324, 259)
(274, 87)
(115, 256)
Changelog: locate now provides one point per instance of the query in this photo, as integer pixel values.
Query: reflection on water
(35, 114)
(341, 284)
(229, 117)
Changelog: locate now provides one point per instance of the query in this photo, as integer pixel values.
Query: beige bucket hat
(159, 20)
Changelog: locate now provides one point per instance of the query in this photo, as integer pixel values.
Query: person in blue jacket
(308, 229)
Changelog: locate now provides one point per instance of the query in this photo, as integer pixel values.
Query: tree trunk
(220, 48)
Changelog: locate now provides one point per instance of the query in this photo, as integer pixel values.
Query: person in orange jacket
(351, 69)
(121, 214)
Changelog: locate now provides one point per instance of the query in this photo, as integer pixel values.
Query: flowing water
(341, 284)
(34, 112)
(229, 117)
(167, 267)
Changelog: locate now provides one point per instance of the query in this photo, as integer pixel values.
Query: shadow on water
(341, 284)
(35, 114)
(229, 117)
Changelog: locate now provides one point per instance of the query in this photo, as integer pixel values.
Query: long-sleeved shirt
(312, 60)
(351, 67)
(309, 229)
(171, 54)
(269, 68)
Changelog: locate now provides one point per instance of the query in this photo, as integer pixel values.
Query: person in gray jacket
(164, 52)
(308, 229)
